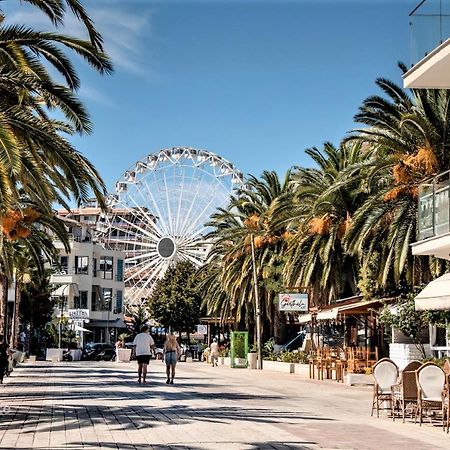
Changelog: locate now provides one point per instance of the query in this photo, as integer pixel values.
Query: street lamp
(107, 297)
(61, 309)
(258, 306)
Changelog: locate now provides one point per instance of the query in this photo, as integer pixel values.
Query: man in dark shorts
(143, 345)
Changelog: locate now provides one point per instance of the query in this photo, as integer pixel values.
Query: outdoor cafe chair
(431, 390)
(404, 393)
(385, 374)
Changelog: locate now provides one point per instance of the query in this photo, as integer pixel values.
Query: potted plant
(123, 354)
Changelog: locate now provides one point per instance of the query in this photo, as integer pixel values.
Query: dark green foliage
(175, 301)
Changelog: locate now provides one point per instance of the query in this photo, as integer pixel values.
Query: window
(107, 299)
(82, 265)
(119, 302)
(64, 264)
(95, 300)
(94, 267)
(119, 270)
(106, 267)
(81, 301)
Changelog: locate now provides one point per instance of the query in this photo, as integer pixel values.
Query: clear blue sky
(255, 81)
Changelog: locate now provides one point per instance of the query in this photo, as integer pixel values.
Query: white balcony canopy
(64, 290)
(436, 296)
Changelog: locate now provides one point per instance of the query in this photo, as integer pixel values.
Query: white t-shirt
(143, 343)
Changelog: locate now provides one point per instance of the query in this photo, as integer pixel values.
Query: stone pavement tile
(85, 405)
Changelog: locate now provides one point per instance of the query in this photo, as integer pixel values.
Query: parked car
(98, 351)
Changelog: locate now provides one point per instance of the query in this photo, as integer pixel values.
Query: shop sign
(293, 302)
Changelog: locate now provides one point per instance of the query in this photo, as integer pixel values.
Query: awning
(360, 308)
(304, 318)
(64, 290)
(329, 314)
(435, 296)
(78, 328)
(118, 323)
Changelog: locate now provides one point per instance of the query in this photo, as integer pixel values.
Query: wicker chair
(404, 394)
(446, 403)
(385, 374)
(431, 390)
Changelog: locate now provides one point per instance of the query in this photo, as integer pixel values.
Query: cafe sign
(78, 314)
(289, 302)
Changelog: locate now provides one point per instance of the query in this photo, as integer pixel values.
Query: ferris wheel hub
(166, 247)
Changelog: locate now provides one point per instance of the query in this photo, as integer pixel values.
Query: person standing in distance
(143, 346)
(214, 352)
(172, 352)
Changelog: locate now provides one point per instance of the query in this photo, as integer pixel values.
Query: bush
(288, 357)
(294, 357)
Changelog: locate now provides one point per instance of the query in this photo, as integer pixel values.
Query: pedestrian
(172, 351)
(214, 353)
(4, 358)
(143, 347)
(199, 350)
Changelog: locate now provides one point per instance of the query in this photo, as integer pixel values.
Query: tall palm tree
(228, 280)
(319, 216)
(408, 134)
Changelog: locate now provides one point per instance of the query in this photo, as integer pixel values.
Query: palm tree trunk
(15, 318)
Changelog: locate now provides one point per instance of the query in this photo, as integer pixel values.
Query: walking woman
(171, 353)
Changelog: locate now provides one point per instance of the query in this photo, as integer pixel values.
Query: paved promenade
(101, 405)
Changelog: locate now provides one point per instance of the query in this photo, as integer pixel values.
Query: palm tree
(408, 136)
(319, 216)
(27, 243)
(228, 282)
(34, 154)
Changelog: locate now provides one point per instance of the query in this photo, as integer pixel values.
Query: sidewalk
(100, 405)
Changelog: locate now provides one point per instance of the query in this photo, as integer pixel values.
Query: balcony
(430, 45)
(434, 218)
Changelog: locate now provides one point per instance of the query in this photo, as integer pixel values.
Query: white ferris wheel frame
(163, 232)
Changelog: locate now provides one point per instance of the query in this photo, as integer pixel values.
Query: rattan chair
(431, 391)
(446, 400)
(404, 394)
(385, 374)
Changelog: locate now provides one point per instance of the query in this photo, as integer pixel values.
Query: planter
(123, 354)
(302, 370)
(221, 360)
(54, 354)
(277, 366)
(402, 354)
(358, 378)
(252, 359)
(227, 361)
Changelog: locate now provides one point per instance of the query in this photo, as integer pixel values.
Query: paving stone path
(101, 405)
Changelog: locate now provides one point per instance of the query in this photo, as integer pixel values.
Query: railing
(434, 207)
(429, 24)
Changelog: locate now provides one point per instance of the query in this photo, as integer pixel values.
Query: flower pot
(123, 354)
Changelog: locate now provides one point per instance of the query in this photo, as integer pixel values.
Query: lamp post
(258, 306)
(108, 301)
(61, 309)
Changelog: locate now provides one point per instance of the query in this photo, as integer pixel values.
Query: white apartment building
(89, 282)
(430, 39)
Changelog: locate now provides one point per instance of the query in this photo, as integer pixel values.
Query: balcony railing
(434, 206)
(429, 24)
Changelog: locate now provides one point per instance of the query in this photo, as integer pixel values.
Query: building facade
(89, 282)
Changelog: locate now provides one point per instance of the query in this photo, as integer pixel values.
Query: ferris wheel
(159, 211)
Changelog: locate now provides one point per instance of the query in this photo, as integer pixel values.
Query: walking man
(143, 346)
